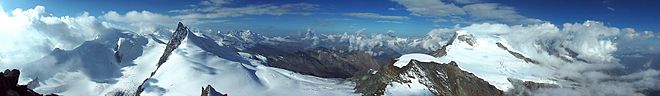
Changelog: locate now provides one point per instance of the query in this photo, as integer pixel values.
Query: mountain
(423, 77)
(468, 64)
(201, 60)
(489, 57)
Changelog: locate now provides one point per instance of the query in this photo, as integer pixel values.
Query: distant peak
(180, 24)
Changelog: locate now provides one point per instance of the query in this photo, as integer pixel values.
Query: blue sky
(404, 17)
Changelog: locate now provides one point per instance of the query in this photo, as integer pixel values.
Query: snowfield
(191, 67)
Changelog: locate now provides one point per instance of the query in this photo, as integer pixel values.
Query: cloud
(392, 9)
(631, 34)
(30, 34)
(493, 11)
(591, 41)
(472, 13)
(142, 22)
(386, 21)
(377, 16)
(466, 1)
(214, 2)
(214, 9)
(431, 8)
(610, 8)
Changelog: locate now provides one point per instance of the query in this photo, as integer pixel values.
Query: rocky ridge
(441, 79)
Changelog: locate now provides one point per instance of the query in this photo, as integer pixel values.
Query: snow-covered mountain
(482, 62)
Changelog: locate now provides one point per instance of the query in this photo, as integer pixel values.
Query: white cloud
(392, 9)
(215, 2)
(610, 8)
(33, 33)
(631, 34)
(214, 9)
(472, 13)
(142, 22)
(493, 11)
(431, 8)
(386, 21)
(376, 16)
(466, 1)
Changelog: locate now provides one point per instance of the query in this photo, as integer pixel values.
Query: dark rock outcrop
(210, 91)
(468, 39)
(177, 37)
(9, 85)
(440, 79)
(516, 54)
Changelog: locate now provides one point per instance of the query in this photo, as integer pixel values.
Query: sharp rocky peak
(177, 37)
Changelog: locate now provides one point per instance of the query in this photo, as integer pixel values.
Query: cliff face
(9, 85)
(440, 79)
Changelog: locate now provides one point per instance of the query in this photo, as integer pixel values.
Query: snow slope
(93, 69)
(493, 64)
(192, 66)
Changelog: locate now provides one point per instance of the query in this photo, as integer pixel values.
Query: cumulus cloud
(377, 16)
(33, 33)
(473, 12)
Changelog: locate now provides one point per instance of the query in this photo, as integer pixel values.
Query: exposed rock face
(468, 39)
(177, 37)
(320, 61)
(440, 79)
(9, 85)
(210, 91)
(515, 54)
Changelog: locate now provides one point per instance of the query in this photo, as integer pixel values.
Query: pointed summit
(175, 41)
(180, 25)
(177, 37)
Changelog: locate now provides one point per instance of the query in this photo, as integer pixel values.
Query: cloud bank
(32, 33)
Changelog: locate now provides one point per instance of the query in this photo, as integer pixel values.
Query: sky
(403, 17)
